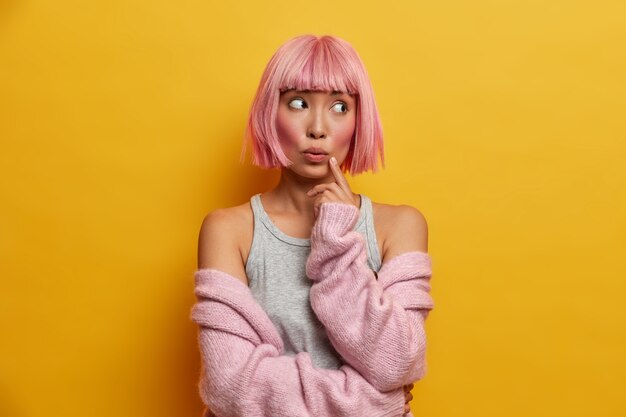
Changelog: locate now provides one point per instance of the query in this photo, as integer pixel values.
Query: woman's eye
(297, 103)
(340, 108)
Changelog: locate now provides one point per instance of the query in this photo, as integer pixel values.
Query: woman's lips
(313, 157)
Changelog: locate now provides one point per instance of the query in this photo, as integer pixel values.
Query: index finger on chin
(341, 179)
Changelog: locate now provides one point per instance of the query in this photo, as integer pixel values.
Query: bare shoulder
(402, 228)
(219, 241)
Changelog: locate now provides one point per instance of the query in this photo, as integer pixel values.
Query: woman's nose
(317, 127)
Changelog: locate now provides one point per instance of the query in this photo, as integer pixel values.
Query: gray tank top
(276, 270)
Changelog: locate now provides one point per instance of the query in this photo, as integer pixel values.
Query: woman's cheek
(287, 131)
(345, 132)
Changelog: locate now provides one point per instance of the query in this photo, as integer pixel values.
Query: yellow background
(120, 128)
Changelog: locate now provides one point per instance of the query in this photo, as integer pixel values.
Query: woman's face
(324, 120)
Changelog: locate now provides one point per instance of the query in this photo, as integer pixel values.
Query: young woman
(314, 117)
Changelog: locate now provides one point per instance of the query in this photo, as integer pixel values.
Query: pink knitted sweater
(377, 325)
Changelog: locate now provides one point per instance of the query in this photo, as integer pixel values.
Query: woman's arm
(244, 371)
(376, 325)
(245, 374)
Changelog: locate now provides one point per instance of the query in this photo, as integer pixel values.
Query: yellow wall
(120, 127)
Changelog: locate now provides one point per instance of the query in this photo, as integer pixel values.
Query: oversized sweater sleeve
(244, 371)
(376, 323)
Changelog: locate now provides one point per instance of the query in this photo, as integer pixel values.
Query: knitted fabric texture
(375, 322)
(376, 325)
(244, 372)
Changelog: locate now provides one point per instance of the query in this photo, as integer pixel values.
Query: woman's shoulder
(388, 212)
(227, 221)
(234, 216)
(402, 228)
(220, 239)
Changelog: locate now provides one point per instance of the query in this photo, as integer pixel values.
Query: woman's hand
(338, 191)
(408, 397)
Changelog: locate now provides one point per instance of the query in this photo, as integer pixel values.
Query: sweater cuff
(335, 219)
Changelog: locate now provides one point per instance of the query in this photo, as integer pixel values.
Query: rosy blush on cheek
(282, 128)
(288, 133)
(343, 133)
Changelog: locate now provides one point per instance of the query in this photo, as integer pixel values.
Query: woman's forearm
(376, 325)
(245, 373)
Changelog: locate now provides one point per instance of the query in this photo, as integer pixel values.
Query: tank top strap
(370, 230)
(257, 209)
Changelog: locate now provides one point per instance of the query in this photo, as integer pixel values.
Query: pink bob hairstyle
(325, 63)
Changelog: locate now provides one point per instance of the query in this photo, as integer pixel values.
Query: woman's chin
(311, 171)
